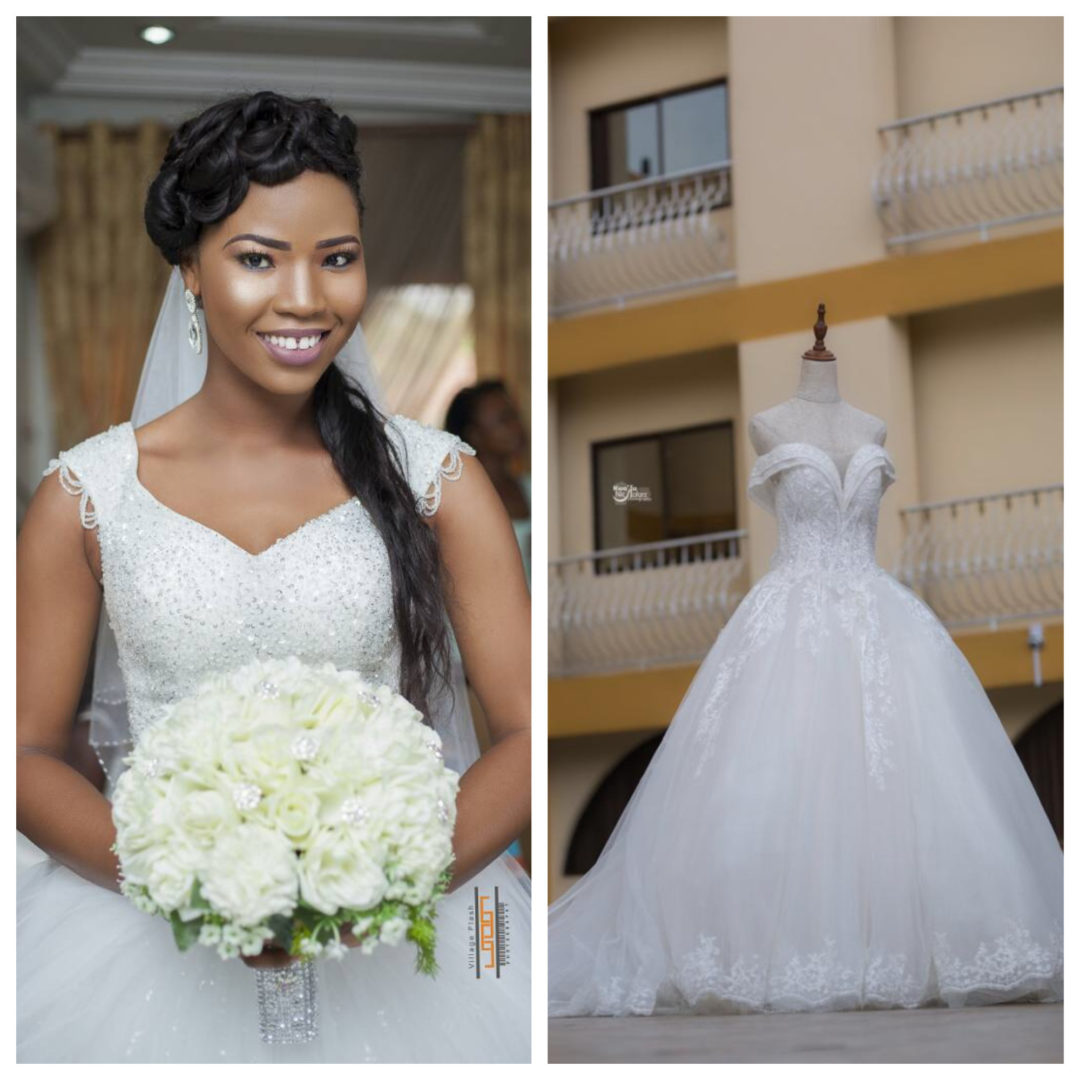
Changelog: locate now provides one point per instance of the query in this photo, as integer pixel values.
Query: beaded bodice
(183, 600)
(825, 521)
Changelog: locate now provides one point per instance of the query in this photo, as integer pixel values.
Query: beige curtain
(420, 339)
(100, 280)
(497, 234)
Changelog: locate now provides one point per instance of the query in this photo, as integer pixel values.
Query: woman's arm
(490, 611)
(58, 602)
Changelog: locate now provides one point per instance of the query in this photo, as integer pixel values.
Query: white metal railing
(643, 605)
(978, 167)
(987, 558)
(632, 240)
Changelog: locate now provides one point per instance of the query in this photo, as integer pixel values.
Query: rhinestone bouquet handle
(288, 1003)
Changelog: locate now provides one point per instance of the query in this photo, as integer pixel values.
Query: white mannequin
(817, 414)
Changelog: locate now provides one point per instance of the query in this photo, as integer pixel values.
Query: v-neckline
(818, 457)
(252, 555)
(841, 478)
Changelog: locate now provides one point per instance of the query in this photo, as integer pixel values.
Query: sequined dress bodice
(826, 523)
(184, 601)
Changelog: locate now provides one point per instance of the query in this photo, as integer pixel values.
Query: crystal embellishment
(305, 747)
(267, 689)
(353, 811)
(287, 1003)
(246, 796)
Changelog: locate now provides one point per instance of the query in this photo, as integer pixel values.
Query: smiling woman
(274, 512)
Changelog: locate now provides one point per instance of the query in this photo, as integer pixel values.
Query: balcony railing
(979, 167)
(633, 240)
(989, 558)
(642, 606)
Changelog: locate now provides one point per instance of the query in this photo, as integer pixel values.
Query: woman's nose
(300, 293)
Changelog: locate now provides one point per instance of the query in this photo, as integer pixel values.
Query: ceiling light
(156, 35)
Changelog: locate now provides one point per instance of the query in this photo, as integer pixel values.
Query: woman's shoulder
(107, 444)
(429, 456)
(93, 468)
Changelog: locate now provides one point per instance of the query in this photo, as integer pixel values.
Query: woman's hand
(272, 956)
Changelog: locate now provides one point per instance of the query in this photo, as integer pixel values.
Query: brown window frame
(599, 178)
(597, 448)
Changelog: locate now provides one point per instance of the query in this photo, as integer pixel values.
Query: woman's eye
(347, 256)
(252, 255)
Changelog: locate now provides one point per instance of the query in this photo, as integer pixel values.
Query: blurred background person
(486, 417)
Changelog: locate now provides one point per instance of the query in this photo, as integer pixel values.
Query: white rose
(204, 816)
(171, 878)
(251, 875)
(296, 814)
(265, 759)
(336, 871)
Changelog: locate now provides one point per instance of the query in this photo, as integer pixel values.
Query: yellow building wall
(804, 147)
(675, 392)
(596, 62)
(947, 61)
(989, 387)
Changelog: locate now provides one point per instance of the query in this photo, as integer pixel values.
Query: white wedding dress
(835, 817)
(98, 980)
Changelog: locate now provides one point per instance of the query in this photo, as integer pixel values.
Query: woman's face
(287, 264)
(496, 425)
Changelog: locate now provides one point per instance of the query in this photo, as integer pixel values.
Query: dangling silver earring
(194, 334)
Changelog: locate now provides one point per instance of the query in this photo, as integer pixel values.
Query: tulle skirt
(834, 819)
(99, 981)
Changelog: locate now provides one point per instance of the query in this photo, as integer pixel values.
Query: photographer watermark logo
(489, 938)
(622, 493)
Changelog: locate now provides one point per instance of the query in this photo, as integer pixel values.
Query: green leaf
(197, 898)
(281, 926)
(307, 917)
(184, 933)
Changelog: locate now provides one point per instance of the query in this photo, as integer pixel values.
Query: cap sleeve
(429, 456)
(89, 471)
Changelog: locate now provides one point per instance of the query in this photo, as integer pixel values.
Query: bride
(260, 505)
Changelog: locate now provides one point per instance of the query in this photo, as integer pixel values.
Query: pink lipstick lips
(296, 356)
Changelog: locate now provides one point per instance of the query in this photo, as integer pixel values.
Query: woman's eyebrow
(283, 245)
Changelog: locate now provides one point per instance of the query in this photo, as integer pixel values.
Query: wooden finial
(819, 352)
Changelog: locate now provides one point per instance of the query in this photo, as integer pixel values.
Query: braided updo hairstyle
(268, 139)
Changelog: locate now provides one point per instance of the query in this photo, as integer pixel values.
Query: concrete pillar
(807, 97)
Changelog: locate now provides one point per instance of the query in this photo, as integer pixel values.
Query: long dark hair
(268, 139)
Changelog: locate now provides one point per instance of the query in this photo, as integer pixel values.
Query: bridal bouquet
(284, 802)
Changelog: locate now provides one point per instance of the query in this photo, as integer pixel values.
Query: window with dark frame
(655, 136)
(666, 485)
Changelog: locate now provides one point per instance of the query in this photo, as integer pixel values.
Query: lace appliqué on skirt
(811, 598)
(1011, 963)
